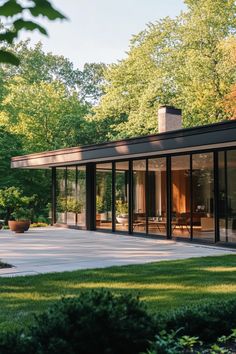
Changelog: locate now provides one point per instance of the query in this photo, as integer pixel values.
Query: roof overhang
(206, 137)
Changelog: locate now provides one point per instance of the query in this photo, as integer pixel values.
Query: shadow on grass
(163, 286)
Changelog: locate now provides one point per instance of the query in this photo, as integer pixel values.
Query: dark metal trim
(113, 187)
(147, 205)
(216, 196)
(76, 192)
(169, 197)
(91, 196)
(191, 196)
(65, 177)
(130, 201)
(226, 197)
(54, 196)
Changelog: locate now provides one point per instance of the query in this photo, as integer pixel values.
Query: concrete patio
(44, 250)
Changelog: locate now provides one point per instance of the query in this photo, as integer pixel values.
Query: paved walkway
(44, 250)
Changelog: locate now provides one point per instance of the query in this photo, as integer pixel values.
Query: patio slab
(46, 250)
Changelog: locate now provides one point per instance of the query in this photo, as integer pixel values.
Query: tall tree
(182, 61)
(46, 114)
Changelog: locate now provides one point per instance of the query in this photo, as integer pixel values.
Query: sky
(100, 30)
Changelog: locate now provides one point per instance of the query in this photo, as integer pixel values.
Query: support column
(216, 196)
(91, 196)
(54, 196)
(169, 197)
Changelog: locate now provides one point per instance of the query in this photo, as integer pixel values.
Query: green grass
(163, 286)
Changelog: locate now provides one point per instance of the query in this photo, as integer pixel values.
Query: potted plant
(73, 206)
(122, 215)
(21, 220)
(17, 207)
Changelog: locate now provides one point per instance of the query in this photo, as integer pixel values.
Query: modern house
(180, 183)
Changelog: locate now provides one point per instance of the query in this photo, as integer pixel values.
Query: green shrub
(207, 321)
(15, 343)
(38, 224)
(96, 322)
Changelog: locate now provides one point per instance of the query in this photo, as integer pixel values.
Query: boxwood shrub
(96, 322)
(206, 321)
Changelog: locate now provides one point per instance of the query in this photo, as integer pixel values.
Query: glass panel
(139, 196)
(203, 197)
(180, 179)
(231, 188)
(71, 203)
(222, 197)
(61, 195)
(104, 196)
(122, 195)
(157, 212)
(81, 196)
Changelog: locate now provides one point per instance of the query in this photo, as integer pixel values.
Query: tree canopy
(183, 61)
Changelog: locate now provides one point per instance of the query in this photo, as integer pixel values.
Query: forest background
(45, 103)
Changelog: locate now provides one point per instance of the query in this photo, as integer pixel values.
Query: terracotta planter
(19, 226)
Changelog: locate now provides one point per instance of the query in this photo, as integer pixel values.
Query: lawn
(163, 286)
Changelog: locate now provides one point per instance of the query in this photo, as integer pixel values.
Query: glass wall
(71, 195)
(180, 196)
(222, 198)
(203, 196)
(231, 191)
(104, 196)
(122, 196)
(227, 195)
(191, 196)
(61, 205)
(156, 197)
(71, 203)
(139, 196)
(81, 196)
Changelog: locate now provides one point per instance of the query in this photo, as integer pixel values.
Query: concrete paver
(44, 250)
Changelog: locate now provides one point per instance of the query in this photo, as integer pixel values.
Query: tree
(20, 14)
(10, 145)
(37, 66)
(47, 115)
(182, 62)
(91, 82)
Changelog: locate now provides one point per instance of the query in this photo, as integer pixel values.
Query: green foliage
(96, 322)
(69, 204)
(10, 145)
(14, 13)
(48, 116)
(22, 214)
(100, 207)
(165, 343)
(207, 321)
(121, 207)
(14, 204)
(183, 62)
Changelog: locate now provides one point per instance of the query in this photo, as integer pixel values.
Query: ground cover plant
(162, 286)
(101, 322)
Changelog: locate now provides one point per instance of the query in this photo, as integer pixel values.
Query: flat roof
(211, 136)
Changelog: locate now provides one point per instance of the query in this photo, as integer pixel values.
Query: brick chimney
(169, 118)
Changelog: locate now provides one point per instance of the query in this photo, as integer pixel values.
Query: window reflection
(180, 179)
(203, 196)
(157, 212)
(122, 195)
(104, 196)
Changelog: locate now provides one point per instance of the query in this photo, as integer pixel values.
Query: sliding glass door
(180, 196)
(227, 195)
(157, 196)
